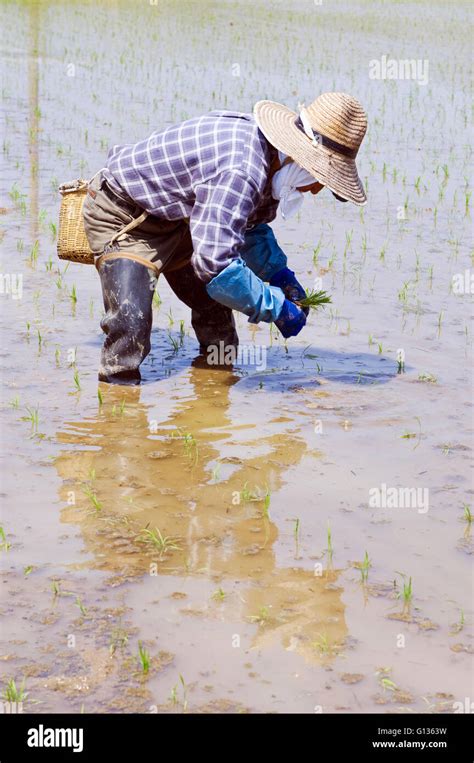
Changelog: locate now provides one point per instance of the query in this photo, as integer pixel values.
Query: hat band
(323, 140)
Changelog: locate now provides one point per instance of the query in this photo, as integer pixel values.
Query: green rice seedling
(329, 550)
(181, 332)
(56, 588)
(34, 253)
(387, 684)
(156, 300)
(316, 251)
(91, 308)
(15, 402)
(161, 543)
(49, 264)
(219, 595)
(100, 397)
(4, 544)
(33, 417)
(144, 657)
(467, 199)
(185, 693)
(296, 528)
(364, 568)
(12, 693)
(77, 382)
(266, 505)
(81, 606)
(407, 591)
(322, 644)
(170, 317)
(458, 627)
(467, 515)
(379, 348)
(91, 495)
(20, 245)
(440, 320)
(314, 299)
(73, 295)
(189, 443)
(27, 570)
(40, 340)
(118, 640)
(53, 230)
(122, 407)
(174, 343)
(261, 617)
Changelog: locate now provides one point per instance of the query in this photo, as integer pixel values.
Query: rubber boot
(128, 293)
(212, 323)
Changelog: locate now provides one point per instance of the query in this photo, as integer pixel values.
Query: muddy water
(243, 472)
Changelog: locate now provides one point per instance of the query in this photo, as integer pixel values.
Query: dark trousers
(128, 286)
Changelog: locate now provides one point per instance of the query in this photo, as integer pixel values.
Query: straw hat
(323, 138)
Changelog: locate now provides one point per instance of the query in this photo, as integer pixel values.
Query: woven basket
(72, 240)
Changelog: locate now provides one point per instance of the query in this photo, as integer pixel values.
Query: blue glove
(261, 252)
(291, 319)
(239, 288)
(292, 289)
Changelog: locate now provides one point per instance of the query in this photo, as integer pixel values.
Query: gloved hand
(292, 289)
(291, 319)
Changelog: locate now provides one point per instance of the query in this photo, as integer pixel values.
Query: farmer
(193, 201)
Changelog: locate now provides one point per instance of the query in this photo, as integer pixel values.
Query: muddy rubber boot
(128, 293)
(213, 323)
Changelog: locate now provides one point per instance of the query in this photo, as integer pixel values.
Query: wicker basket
(72, 240)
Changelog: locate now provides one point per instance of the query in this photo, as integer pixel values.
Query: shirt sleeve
(219, 220)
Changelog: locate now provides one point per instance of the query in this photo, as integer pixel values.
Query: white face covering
(284, 185)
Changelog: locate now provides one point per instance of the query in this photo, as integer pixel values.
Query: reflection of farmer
(150, 480)
(209, 186)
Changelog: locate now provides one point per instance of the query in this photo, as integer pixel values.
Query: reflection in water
(125, 473)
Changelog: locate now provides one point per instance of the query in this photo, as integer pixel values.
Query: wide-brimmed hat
(323, 138)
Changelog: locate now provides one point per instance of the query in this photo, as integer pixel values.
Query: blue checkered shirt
(211, 169)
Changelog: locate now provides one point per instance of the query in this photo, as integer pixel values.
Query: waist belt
(129, 206)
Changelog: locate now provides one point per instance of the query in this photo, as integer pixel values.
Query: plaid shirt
(211, 169)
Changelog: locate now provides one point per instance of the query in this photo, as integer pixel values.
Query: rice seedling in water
(322, 644)
(144, 658)
(457, 627)
(33, 417)
(100, 397)
(92, 498)
(81, 606)
(15, 402)
(407, 591)
(364, 568)
(4, 544)
(329, 550)
(174, 343)
(119, 640)
(219, 595)
(467, 516)
(174, 694)
(27, 570)
(34, 253)
(314, 299)
(77, 382)
(155, 539)
(262, 617)
(12, 693)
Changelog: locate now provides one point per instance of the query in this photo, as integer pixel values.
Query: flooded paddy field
(289, 535)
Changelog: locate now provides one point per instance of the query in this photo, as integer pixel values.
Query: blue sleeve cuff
(261, 252)
(239, 288)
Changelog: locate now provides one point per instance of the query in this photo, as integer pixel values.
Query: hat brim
(334, 170)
